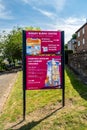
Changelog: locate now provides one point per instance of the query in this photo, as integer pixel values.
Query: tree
(74, 36)
(12, 49)
(13, 45)
(33, 28)
(65, 47)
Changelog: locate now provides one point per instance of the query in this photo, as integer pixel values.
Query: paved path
(6, 83)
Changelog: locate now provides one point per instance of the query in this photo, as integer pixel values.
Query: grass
(72, 116)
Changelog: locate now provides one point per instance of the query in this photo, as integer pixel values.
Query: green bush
(67, 52)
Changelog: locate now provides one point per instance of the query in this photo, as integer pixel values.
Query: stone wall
(78, 62)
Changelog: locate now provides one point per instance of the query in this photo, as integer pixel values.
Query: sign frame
(24, 70)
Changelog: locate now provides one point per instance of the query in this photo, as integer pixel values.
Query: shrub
(67, 52)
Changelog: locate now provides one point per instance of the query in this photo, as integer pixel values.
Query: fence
(78, 62)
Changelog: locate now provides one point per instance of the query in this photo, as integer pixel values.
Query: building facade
(71, 45)
(81, 44)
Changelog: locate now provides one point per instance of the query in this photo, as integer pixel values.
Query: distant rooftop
(81, 27)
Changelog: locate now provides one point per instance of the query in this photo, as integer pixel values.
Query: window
(78, 43)
(78, 34)
(83, 30)
(83, 41)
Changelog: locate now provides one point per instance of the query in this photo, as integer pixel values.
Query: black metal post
(63, 77)
(24, 74)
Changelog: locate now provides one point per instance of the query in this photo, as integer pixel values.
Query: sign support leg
(24, 74)
(24, 104)
(63, 77)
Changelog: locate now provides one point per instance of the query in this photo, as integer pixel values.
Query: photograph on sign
(40, 42)
(43, 72)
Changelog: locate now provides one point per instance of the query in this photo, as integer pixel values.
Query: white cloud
(75, 20)
(68, 25)
(56, 4)
(59, 4)
(4, 14)
(46, 13)
(71, 25)
(25, 1)
(1, 7)
(43, 6)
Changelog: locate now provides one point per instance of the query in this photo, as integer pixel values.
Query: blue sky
(67, 15)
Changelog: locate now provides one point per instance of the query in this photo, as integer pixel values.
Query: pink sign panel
(43, 42)
(43, 72)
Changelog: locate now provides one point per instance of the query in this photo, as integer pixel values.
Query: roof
(81, 27)
(72, 41)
